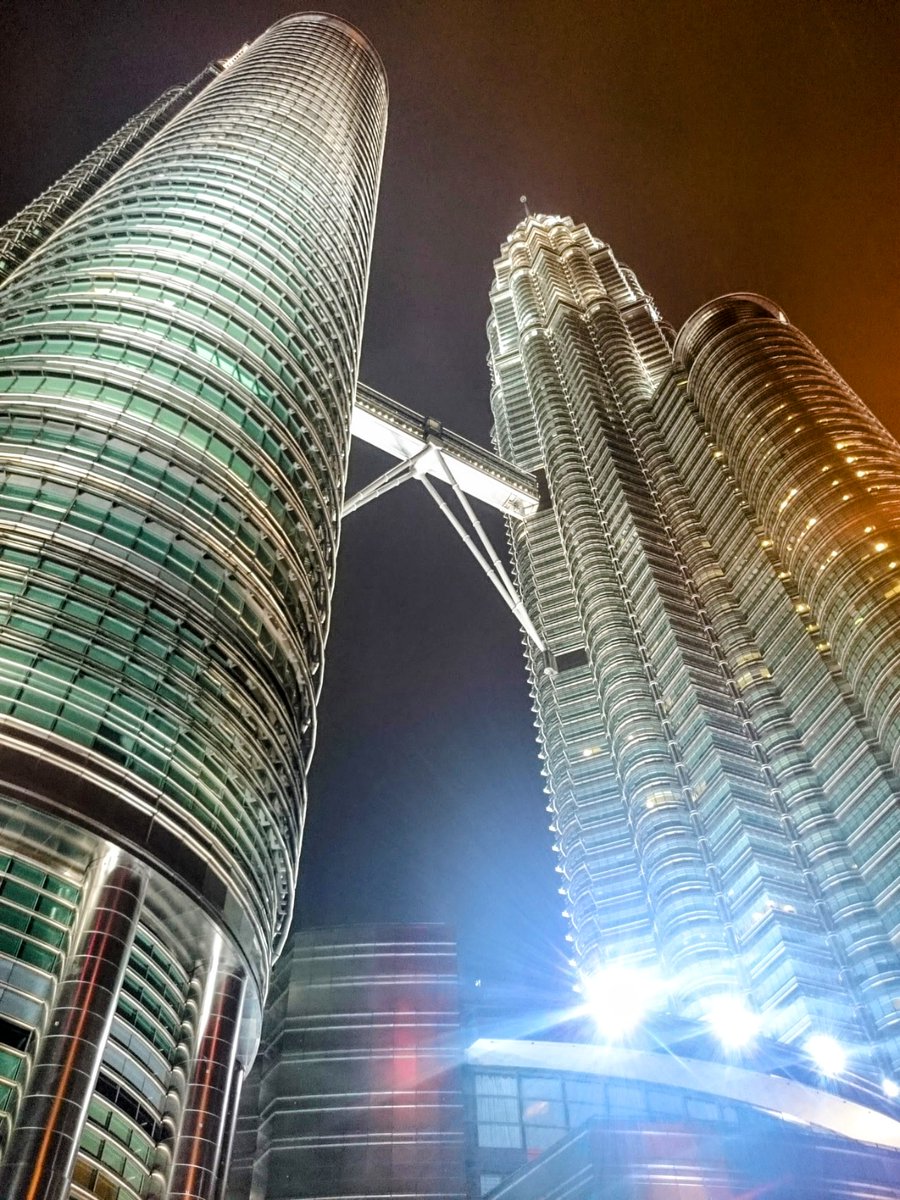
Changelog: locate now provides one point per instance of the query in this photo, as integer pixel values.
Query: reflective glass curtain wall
(24, 232)
(177, 363)
(713, 573)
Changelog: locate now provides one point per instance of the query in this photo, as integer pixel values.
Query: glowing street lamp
(827, 1053)
(733, 1023)
(618, 997)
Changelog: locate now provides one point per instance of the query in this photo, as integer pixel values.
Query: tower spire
(523, 200)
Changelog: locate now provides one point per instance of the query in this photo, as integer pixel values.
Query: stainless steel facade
(32, 225)
(713, 572)
(357, 1090)
(178, 363)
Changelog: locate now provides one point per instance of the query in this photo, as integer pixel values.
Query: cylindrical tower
(25, 231)
(823, 477)
(178, 365)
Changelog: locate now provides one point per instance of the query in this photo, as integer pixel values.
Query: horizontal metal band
(34, 773)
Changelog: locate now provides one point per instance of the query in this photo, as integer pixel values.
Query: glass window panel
(488, 1182)
(579, 1113)
(495, 1085)
(497, 1108)
(703, 1110)
(585, 1092)
(502, 1137)
(666, 1103)
(539, 1137)
(626, 1099)
(543, 1112)
(541, 1088)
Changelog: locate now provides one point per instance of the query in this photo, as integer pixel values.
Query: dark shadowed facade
(357, 1090)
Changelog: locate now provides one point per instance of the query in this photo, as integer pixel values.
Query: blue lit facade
(361, 1089)
(549, 1119)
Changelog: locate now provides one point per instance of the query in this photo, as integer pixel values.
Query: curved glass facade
(550, 1120)
(724, 811)
(32, 225)
(177, 367)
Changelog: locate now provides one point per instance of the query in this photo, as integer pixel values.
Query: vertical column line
(204, 1125)
(40, 1158)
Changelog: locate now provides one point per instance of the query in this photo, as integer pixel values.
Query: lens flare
(828, 1054)
(619, 997)
(733, 1023)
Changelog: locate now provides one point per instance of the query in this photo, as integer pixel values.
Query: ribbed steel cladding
(824, 487)
(129, 1127)
(602, 882)
(178, 366)
(835, 801)
(765, 830)
(822, 521)
(32, 224)
(39, 898)
(682, 902)
(766, 822)
(359, 1075)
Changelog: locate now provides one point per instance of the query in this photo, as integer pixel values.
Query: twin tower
(713, 572)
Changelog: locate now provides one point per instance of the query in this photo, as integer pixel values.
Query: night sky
(716, 146)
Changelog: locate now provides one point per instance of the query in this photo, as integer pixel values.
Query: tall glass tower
(716, 570)
(178, 362)
(24, 232)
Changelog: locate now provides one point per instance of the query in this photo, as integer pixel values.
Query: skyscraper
(178, 363)
(715, 570)
(24, 232)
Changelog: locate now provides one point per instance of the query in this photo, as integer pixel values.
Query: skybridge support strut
(491, 565)
(430, 459)
(384, 483)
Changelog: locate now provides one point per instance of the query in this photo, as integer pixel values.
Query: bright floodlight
(890, 1088)
(618, 997)
(828, 1054)
(733, 1023)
